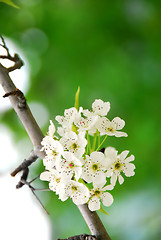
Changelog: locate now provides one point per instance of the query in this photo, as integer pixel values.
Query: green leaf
(77, 99)
(9, 2)
(103, 211)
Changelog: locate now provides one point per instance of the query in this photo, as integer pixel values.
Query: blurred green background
(112, 50)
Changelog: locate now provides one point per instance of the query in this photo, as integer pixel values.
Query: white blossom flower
(99, 193)
(90, 122)
(110, 128)
(69, 116)
(53, 150)
(69, 165)
(74, 143)
(67, 120)
(94, 167)
(78, 192)
(52, 129)
(101, 108)
(84, 124)
(119, 164)
(54, 179)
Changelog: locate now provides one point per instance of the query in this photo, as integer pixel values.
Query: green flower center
(97, 192)
(74, 146)
(110, 129)
(95, 167)
(74, 188)
(54, 153)
(58, 180)
(117, 165)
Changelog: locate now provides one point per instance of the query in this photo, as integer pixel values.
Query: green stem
(101, 143)
(94, 142)
(88, 144)
(99, 139)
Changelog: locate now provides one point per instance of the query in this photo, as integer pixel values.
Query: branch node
(20, 96)
(25, 164)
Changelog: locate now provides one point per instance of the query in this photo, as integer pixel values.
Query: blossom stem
(101, 143)
(94, 141)
(88, 144)
(99, 139)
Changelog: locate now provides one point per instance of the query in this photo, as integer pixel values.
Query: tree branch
(93, 221)
(24, 114)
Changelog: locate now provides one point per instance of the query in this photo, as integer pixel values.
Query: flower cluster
(76, 166)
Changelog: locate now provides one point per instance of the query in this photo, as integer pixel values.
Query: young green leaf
(9, 2)
(103, 211)
(77, 99)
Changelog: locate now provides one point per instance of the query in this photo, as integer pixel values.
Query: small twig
(44, 189)
(34, 179)
(25, 164)
(23, 178)
(33, 191)
(24, 182)
(4, 45)
(18, 63)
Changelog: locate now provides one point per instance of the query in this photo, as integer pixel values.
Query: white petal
(71, 112)
(99, 181)
(78, 172)
(87, 113)
(120, 134)
(129, 159)
(51, 129)
(63, 197)
(109, 172)
(113, 179)
(61, 131)
(45, 176)
(108, 187)
(121, 179)
(97, 157)
(129, 171)
(71, 135)
(102, 124)
(94, 204)
(81, 196)
(107, 199)
(119, 123)
(130, 166)
(123, 155)
(111, 153)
